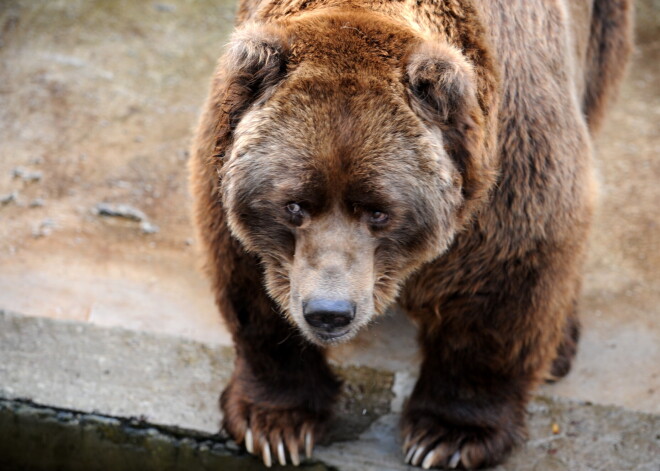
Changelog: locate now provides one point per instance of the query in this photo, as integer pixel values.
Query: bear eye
(295, 213)
(378, 218)
(294, 208)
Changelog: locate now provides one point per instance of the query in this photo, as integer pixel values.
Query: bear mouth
(332, 337)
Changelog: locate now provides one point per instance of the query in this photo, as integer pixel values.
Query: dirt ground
(97, 103)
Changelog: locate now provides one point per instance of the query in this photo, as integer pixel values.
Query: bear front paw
(270, 432)
(433, 443)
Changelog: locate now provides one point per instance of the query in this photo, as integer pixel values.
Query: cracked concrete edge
(172, 386)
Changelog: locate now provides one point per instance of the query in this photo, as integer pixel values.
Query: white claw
(308, 444)
(428, 461)
(454, 460)
(281, 457)
(410, 453)
(293, 454)
(249, 443)
(265, 454)
(417, 456)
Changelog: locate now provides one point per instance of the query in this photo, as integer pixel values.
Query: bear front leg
(464, 412)
(280, 396)
(483, 354)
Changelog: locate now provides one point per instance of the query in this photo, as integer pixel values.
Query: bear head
(350, 149)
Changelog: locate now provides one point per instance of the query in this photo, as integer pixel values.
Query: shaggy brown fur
(434, 153)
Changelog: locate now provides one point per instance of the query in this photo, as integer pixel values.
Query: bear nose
(328, 314)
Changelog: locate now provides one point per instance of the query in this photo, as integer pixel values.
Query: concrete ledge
(78, 396)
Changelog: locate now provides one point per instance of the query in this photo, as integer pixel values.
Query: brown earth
(100, 98)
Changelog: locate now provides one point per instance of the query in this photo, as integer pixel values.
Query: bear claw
(428, 461)
(293, 454)
(455, 459)
(309, 444)
(410, 453)
(274, 447)
(428, 453)
(249, 444)
(280, 447)
(417, 457)
(265, 455)
(421, 455)
(281, 457)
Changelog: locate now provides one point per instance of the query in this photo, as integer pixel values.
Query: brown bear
(435, 153)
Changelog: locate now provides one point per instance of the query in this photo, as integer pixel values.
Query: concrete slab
(164, 380)
(78, 396)
(167, 381)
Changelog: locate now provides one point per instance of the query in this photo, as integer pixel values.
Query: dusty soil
(97, 101)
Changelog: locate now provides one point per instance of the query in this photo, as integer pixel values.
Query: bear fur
(432, 153)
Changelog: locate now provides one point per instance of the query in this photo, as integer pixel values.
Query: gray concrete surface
(96, 395)
(164, 380)
(168, 381)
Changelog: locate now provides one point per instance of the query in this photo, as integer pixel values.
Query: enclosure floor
(100, 98)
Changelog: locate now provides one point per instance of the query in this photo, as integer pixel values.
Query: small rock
(8, 198)
(37, 203)
(164, 7)
(188, 242)
(44, 229)
(27, 175)
(120, 210)
(148, 228)
(122, 184)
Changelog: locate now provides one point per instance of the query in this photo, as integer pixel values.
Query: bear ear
(254, 64)
(442, 87)
(257, 58)
(441, 83)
